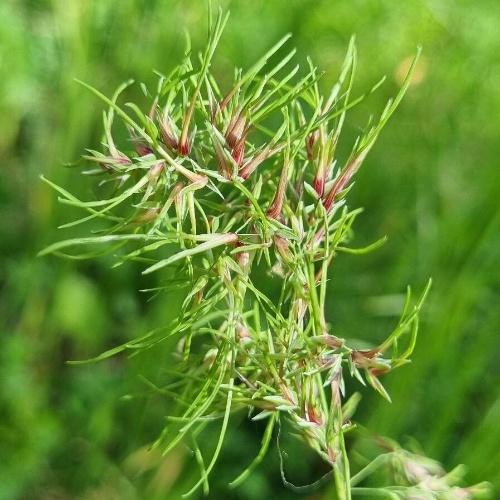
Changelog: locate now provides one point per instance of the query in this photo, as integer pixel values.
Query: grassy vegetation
(430, 185)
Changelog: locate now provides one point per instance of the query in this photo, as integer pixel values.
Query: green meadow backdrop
(431, 184)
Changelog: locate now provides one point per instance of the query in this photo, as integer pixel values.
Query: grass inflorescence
(214, 185)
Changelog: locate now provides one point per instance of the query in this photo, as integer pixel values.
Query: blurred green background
(431, 184)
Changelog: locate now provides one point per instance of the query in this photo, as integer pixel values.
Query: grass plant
(238, 199)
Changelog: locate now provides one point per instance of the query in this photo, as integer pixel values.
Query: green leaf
(214, 242)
